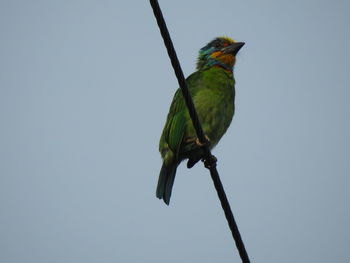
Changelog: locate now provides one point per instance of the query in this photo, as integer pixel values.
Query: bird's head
(220, 52)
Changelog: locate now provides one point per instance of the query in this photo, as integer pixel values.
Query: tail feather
(166, 182)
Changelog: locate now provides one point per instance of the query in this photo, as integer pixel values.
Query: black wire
(210, 160)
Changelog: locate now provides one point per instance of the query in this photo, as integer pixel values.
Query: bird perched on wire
(212, 88)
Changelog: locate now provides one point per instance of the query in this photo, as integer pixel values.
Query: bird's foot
(197, 141)
(202, 144)
(210, 162)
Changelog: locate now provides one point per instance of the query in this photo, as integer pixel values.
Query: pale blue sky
(85, 87)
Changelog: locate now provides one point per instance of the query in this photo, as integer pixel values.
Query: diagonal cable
(210, 160)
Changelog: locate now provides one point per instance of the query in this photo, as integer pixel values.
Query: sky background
(85, 88)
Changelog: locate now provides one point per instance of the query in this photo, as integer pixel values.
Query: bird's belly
(215, 117)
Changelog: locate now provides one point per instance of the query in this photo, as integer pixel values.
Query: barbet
(212, 88)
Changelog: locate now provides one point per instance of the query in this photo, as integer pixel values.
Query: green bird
(212, 88)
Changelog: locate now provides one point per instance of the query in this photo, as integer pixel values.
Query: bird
(212, 88)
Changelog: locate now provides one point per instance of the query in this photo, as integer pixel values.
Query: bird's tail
(165, 182)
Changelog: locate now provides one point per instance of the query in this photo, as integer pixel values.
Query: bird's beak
(233, 48)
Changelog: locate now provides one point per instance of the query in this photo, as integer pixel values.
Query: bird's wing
(178, 117)
(176, 124)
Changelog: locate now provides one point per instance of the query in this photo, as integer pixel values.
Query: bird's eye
(217, 45)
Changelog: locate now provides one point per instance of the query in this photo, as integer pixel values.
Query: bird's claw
(210, 162)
